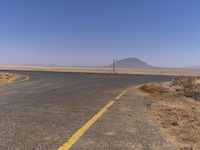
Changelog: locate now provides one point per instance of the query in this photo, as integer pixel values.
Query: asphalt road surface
(45, 111)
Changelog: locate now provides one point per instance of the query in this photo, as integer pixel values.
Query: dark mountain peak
(131, 63)
(131, 59)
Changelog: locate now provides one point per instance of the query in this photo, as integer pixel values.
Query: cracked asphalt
(45, 111)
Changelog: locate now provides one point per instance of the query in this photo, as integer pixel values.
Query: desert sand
(145, 71)
(177, 116)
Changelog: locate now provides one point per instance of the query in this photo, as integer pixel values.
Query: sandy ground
(178, 117)
(6, 78)
(147, 71)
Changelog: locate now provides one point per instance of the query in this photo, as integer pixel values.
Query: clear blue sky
(92, 32)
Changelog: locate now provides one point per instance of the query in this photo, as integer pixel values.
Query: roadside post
(114, 66)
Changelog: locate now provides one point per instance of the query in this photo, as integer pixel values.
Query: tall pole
(114, 66)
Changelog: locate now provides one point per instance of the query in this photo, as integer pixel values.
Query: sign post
(114, 66)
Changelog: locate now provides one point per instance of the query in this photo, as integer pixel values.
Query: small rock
(175, 123)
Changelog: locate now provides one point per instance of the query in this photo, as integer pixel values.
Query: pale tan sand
(147, 71)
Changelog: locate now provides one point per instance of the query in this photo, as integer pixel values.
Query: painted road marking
(25, 79)
(84, 128)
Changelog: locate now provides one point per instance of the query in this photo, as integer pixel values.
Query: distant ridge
(123, 63)
(131, 63)
(192, 67)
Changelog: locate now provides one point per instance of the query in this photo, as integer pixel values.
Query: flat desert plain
(145, 71)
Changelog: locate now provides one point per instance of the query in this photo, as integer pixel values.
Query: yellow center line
(84, 128)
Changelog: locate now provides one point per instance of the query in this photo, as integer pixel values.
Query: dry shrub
(8, 78)
(190, 87)
(155, 88)
(186, 82)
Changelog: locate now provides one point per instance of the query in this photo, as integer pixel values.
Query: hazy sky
(92, 32)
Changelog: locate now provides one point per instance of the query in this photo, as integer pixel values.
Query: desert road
(44, 112)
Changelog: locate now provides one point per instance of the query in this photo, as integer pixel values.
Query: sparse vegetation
(8, 78)
(188, 86)
(181, 86)
(177, 110)
(155, 88)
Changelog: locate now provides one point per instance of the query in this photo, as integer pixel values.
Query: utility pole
(114, 66)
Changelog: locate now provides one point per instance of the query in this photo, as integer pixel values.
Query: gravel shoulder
(177, 116)
(125, 126)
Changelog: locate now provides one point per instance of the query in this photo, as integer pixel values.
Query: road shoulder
(177, 115)
(125, 126)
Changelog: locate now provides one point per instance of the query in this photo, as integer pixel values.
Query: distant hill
(124, 63)
(131, 63)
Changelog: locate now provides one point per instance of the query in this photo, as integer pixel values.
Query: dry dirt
(6, 78)
(177, 116)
